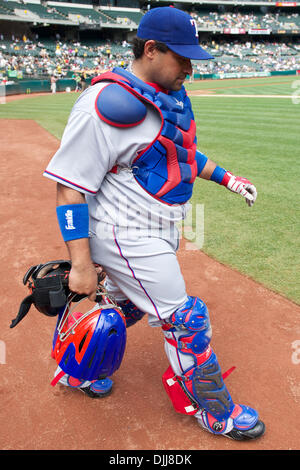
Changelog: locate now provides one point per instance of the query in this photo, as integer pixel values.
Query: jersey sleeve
(85, 155)
(201, 161)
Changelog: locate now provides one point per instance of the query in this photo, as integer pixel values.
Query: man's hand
(83, 279)
(241, 186)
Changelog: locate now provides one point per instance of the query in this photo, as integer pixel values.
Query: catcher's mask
(90, 345)
(48, 284)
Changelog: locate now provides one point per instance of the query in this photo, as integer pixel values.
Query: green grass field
(276, 85)
(257, 138)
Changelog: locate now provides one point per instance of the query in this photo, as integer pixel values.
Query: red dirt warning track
(253, 329)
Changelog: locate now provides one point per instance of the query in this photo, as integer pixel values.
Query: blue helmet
(93, 347)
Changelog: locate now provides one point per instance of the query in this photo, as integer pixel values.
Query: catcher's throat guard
(90, 342)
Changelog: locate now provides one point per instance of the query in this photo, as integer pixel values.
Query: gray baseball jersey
(132, 235)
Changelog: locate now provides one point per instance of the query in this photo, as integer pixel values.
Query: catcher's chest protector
(167, 168)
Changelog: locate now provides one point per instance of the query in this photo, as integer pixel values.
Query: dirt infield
(254, 330)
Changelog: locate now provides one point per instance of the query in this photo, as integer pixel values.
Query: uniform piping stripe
(69, 182)
(133, 274)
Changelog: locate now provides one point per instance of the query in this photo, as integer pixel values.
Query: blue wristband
(218, 174)
(73, 221)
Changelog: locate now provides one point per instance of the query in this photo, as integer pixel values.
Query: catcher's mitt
(48, 286)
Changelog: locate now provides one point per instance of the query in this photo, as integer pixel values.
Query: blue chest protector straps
(168, 166)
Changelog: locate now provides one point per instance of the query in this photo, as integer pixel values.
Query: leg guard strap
(181, 401)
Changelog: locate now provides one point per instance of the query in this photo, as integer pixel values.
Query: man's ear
(150, 49)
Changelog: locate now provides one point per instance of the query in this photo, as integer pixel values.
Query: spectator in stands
(37, 59)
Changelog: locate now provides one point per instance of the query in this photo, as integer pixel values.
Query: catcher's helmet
(93, 345)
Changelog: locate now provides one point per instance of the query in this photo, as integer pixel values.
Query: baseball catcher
(125, 173)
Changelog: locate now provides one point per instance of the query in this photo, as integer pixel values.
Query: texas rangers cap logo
(194, 24)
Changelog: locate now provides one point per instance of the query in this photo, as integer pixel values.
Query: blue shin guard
(196, 368)
(201, 374)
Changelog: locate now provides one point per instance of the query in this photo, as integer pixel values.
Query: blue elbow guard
(73, 221)
(118, 107)
(201, 161)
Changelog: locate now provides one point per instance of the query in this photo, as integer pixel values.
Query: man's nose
(188, 69)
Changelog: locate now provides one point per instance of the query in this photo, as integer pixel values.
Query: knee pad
(192, 319)
(188, 335)
(131, 312)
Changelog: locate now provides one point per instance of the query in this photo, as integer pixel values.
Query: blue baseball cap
(176, 29)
